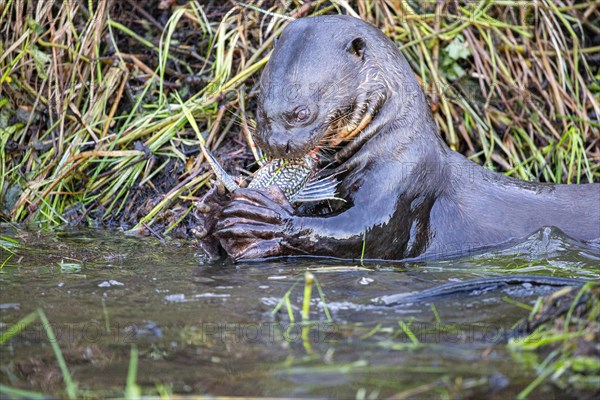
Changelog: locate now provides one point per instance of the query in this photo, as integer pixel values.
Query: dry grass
(103, 104)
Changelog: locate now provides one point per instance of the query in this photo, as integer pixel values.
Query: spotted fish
(295, 177)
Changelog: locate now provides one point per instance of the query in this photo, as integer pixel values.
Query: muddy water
(212, 329)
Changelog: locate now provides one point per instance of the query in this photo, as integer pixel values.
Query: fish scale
(290, 175)
(295, 177)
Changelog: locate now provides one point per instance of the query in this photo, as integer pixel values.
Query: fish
(296, 178)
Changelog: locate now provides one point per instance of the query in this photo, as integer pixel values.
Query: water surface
(211, 329)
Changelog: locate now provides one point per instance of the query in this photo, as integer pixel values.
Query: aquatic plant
(131, 391)
(564, 329)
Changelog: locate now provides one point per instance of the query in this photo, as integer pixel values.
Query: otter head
(322, 85)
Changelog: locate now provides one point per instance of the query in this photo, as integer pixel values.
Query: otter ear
(357, 47)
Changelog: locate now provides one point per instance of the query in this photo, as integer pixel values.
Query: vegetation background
(103, 104)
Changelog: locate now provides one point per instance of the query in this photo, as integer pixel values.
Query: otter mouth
(308, 176)
(349, 128)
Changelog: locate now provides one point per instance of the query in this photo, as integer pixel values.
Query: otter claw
(221, 190)
(199, 233)
(203, 208)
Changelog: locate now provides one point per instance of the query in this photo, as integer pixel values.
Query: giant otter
(338, 88)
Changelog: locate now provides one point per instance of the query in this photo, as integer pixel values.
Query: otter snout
(282, 144)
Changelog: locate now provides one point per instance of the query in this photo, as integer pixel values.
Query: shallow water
(211, 329)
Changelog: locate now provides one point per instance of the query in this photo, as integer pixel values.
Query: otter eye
(357, 47)
(301, 114)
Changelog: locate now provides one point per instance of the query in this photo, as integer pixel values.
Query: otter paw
(254, 223)
(252, 249)
(213, 201)
(265, 205)
(207, 212)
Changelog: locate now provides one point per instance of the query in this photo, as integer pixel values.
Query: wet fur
(407, 193)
